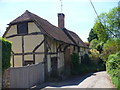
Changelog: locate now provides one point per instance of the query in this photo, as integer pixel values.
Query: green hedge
(75, 63)
(113, 68)
(6, 53)
(86, 66)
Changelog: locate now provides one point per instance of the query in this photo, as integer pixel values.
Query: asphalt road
(92, 80)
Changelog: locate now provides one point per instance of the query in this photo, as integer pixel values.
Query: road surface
(92, 80)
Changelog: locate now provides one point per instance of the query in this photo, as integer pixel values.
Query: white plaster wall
(32, 27)
(39, 58)
(12, 30)
(18, 61)
(28, 57)
(30, 42)
(16, 44)
(60, 60)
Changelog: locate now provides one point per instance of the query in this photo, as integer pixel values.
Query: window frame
(21, 26)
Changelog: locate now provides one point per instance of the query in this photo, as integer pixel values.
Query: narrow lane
(97, 80)
(93, 80)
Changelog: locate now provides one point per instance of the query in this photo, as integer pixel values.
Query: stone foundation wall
(6, 79)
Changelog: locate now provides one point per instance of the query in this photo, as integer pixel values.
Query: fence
(26, 77)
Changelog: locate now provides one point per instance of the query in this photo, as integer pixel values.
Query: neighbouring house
(35, 40)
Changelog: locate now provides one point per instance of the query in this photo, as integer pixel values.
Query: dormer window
(22, 28)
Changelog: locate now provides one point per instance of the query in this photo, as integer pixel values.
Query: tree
(99, 47)
(92, 35)
(105, 27)
(110, 47)
(113, 22)
(108, 25)
(101, 32)
(94, 43)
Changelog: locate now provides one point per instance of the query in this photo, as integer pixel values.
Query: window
(28, 62)
(22, 28)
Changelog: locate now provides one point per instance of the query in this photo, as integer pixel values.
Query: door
(54, 64)
(67, 62)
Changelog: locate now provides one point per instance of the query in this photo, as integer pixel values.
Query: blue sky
(79, 14)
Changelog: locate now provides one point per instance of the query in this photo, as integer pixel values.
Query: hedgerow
(6, 53)
(113, 68)
(86, 65)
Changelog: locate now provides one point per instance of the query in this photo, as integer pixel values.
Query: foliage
(107, 26)
(94, 54)
(75, 63)
(113, 20)
(96, 60)
(110, 47)
(75, 59)
(6, 53)
(105, 47)
(113, 68)
(92, 36)
(87, 65)
(99, 47)
(100, 31)
(86, 59)
(93, 44)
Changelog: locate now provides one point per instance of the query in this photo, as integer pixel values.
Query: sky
(79, 14)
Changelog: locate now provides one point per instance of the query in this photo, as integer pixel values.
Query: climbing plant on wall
(5, 47)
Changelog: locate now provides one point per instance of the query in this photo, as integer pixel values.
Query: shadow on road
(72, 81)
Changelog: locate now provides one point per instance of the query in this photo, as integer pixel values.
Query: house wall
(60, 60)
(32, 28)
(52, 49)
(16, 44)
(29, 41)
(60, 55)
(12, 30)
(16, 48)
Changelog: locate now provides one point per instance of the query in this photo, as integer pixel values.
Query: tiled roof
(50, 29)
(74, 37)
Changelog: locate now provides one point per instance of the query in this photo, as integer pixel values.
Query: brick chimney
(61, 20)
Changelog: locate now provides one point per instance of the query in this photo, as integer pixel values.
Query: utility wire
(95, 10)
(100, 19)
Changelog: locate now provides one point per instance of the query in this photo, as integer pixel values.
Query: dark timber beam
(13, 58)
(34, 33)
(23, 50)
(38, 46)
(28, 53)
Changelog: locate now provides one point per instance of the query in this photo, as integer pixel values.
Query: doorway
(54, 65)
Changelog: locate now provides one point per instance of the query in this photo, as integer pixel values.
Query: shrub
(94, 54)
(75, 63)
(110, 47)
(6, 53)
(87, 65)
(86, 59)
(113, 68)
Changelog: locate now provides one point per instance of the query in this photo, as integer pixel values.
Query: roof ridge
(24, 17)
(48, 28)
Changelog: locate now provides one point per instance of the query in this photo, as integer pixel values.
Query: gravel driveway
(92, 80)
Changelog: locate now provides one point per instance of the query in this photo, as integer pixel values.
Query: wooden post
(23, 51)
(45, 59)
(13, 59)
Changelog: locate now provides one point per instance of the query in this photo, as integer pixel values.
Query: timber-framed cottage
(35, 40)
